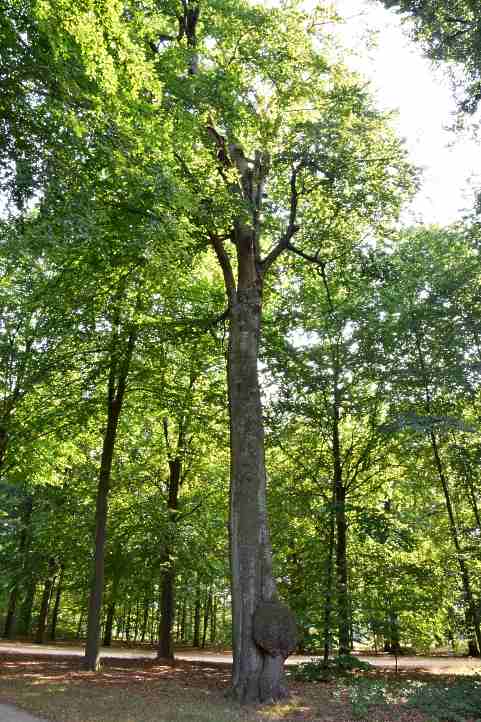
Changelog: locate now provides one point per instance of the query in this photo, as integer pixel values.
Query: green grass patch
(456, 700)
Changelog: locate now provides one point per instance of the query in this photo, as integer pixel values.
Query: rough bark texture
(257, 675)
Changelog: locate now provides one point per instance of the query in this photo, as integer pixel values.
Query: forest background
(188, 183)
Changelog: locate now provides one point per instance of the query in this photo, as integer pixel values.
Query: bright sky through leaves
(407, 82)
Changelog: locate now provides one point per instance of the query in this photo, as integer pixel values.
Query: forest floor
(133, 690)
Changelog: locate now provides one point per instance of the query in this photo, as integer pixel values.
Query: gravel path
(435, 665)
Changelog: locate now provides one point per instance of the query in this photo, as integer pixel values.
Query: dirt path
(434, 665)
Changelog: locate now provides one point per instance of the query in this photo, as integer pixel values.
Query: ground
(144, 690)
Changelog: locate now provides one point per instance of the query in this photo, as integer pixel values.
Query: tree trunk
(97, 584)
(109, 623)
(145, 617)
(25, 616)
(473, 623)
(26, 516)
(207, 613)
(10, 619)
(197, 609)
(47, 591)
(343, 617)
(341, 569)
(329, 580)
(167, 600)
(56, 608)
(119, 370)
(257, 676)
(471, 610)
(213, 620)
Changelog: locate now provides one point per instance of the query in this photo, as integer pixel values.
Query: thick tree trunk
(257, 676)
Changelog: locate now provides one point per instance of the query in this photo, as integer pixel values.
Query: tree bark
(26, 516)
(109, 623)
(167, 600)
(10, 619)
(207, 613)
(473, 623)
(329, 580)
(197, 609)
(47, 591)
(25, 616)
(472, 613)
(56, 608)
(119, 369)
(257, 676)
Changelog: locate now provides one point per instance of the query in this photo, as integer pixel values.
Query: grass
(140, 691)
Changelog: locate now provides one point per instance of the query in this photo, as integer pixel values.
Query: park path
(8, 713)
(435, 665)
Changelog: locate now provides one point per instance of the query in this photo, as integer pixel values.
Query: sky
(405, 81)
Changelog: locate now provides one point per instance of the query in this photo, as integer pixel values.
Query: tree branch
(292, 227)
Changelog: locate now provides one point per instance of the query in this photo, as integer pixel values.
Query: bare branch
(292, 227)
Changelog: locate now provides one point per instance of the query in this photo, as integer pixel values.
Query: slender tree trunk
(47, 591)
(119, 369)
(167, 600)
(26, 515)
(10, 619)
(25, 616)
(145, 618)
(207, 613)
(213, 620)
(56, 607)
(97, 585)
(329, 580)
(136, 620)
(80, 624)
(109, 623)
(472, 613)
(341, 569)
(128, 622)
(341, 528)
(471, 608)
(197, 609)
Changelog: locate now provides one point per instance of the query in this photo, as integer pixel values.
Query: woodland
(238, 395)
